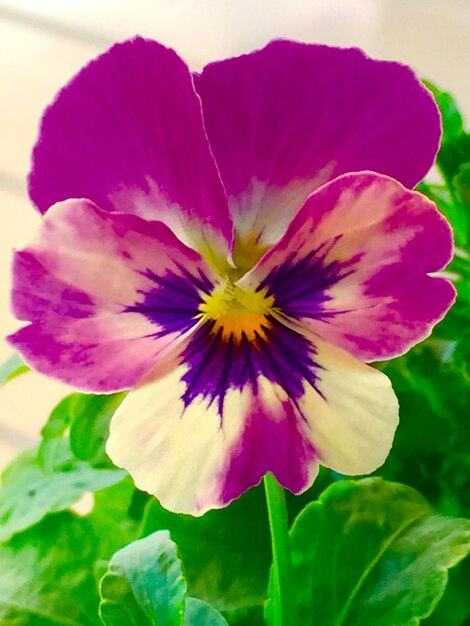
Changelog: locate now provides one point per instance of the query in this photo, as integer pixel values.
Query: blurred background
(44, 42)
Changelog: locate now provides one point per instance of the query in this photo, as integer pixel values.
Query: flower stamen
(236, 312)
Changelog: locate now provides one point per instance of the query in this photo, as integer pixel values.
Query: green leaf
(452, 122)
(462, 183)
(83, 420)
(27, 493)
(447, 201)
(461, 357)
(144, 585)
(117, 516)
(51, 449)
(372, 552)
(12, 368)
(226, 553)
(46, 575)
(199, 613)
(430, 450)
(454, 153)
(453, 161)
(90, 426)
(246, 617)
(454, 607)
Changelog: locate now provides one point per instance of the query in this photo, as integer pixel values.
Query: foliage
(28, 493)
(46, 575)
(226, 552)
(144, 585)
(373, 552)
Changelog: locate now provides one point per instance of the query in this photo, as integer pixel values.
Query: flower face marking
(237, 314)
(225, 267)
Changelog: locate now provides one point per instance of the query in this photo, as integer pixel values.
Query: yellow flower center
(237, 312)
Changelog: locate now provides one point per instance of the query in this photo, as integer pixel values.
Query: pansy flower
(232, 247)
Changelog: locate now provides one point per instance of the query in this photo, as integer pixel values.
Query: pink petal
(127, 133)
(107, 296)
(354, 266)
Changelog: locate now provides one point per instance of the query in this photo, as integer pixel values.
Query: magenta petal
(274, 439)
(356, 266)
(107, 296)
(127, 133)
(285, 119)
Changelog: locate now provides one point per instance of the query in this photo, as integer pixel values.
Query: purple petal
(354, 266)
(107, 296)
(285, 119)
(127, 133)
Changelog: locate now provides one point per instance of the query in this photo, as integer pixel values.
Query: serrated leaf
(27, 493)
(199, 613)
(12, 368)
(144, 585)
(46, 575)
(372, 552)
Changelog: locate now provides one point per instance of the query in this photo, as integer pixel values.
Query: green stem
(282, 566)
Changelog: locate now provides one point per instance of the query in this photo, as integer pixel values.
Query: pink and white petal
(288, 118)
(353, 413)
(389, 326)
(193, 458)
(112, 258)
(195, 451)
(127, 132)
(100, 354)
(106, 296)
(357, 265)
